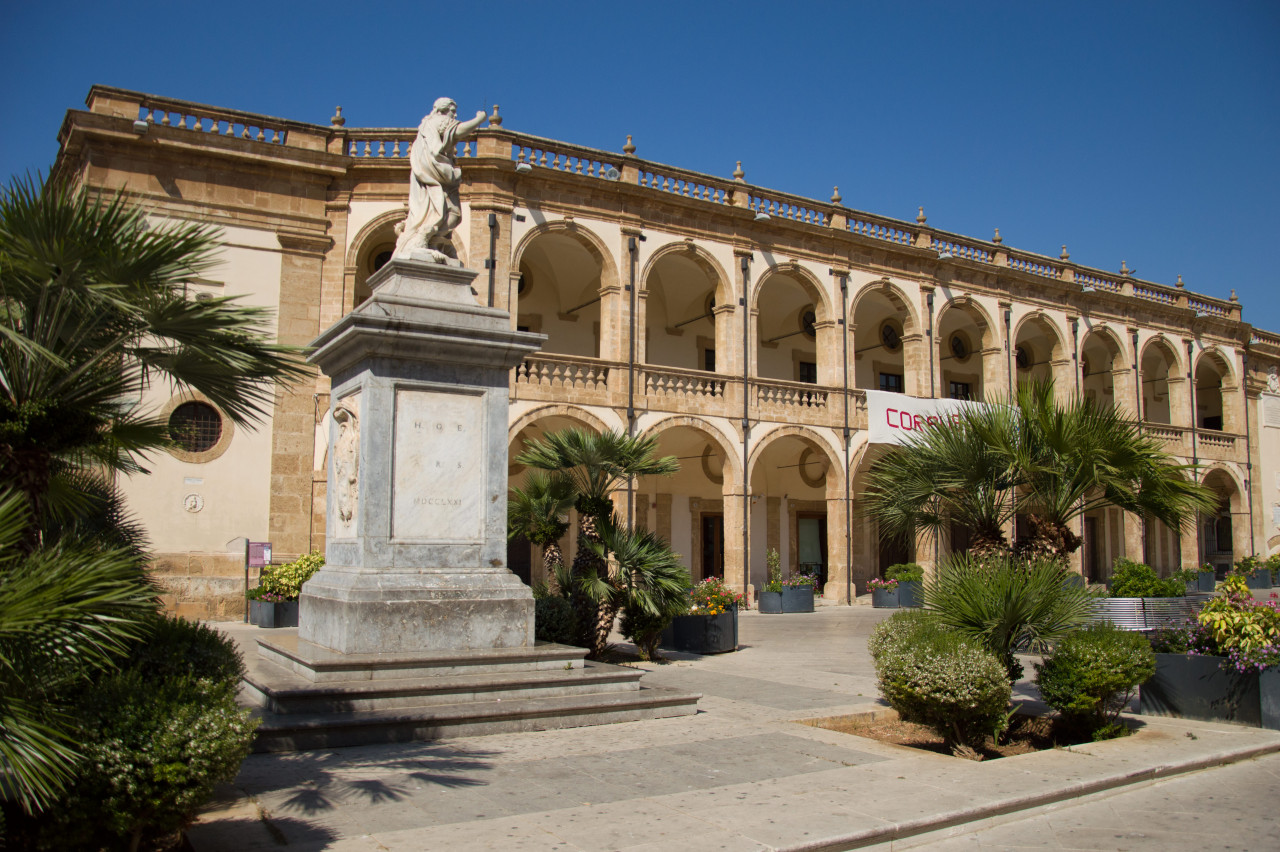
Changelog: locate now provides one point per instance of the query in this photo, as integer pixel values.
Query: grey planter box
(702, 634)
(884, 598)
(1260, 580)
(797, 599)
(769, 602)
(910, 593)
(273, 614)
(1206, 581)
(1192, 687)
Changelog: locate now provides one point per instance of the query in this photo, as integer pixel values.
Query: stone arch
(808, 282)
(1216, 402)
(1224, 361)
(1172, 352)
(896, 296)
(377, 233)
(559, 409)
(724, 287)
(980, 316)
(730, 450)
(1055, 363)
(585, 237)
(1115, 345)
(1164, 397)
(1109, 386)
(810, 437)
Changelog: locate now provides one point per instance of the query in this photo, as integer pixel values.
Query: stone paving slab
(741, 774)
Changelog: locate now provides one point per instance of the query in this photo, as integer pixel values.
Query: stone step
(304, 732)
(321, 665)
(282, 692)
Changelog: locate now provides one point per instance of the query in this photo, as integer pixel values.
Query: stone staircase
(309, 697)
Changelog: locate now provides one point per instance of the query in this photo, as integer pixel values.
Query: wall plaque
(438, 481)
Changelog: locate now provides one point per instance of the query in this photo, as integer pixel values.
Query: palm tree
(1049, 461)
(93, 309)
(648, 579)
(1079, 456)
(958, 474)
(540, 512)
(67, 612)
(595, 465)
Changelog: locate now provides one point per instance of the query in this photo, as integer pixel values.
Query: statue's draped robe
(434, 210)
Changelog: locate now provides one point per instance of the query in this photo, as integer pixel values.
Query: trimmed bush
(936, 677)
(286, 580)
(644, 629)
(904, 572)
(1131, 579)
(1091, 675)
(554, 620)
(157, 738)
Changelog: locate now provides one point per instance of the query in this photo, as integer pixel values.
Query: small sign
(259, 554)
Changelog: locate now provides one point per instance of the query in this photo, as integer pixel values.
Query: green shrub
(904, 572)
(1131, 579)
(773, 562)
(1091, 675)
(154, 750)
(157, 737)
(286, 580)
(553, 620)
(1007, 604)
(937, 677)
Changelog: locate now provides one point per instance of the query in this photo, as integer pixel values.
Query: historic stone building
(750, 330)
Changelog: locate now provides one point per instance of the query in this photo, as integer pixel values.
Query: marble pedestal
(416, 526)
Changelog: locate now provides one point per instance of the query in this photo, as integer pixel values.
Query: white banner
(893, 417)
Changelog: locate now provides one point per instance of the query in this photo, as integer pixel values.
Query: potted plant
(274, 603)
(909, 576)
(1223, 667)
(797, 592)
(770, 599)
(884, 593)
(711, 626)
(1203, 580)
(1256, 573)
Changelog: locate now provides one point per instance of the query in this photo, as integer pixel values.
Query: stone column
(734, 522)
(416, 552)
(837, 587)
(1133, 537)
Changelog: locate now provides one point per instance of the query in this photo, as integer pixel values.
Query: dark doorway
(1092, 554)
(811, 547)
(893, 553)
(520, 559)
(712, 545)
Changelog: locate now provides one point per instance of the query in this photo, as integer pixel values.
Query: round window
(1022, 357)
(195, 427)
(808, 323)
(959, 347)
(890, 337)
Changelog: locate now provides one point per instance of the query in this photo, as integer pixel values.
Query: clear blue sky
(1136, 131)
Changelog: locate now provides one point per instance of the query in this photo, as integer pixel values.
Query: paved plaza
(743, 775)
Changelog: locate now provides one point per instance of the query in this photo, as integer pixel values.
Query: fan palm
(648, 579)
(1007, 603)
(67, 611)
(93, 308)
(540, 512)
(595, 465)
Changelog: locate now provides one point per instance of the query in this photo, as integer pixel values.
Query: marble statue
(346, 463)
(434, 209)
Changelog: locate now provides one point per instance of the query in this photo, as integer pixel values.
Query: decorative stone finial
(738, 173)
(997, 239)
(1064, 255)
(920, 216)
(337, 120)
(495, 120)
(1125, 270)
(1180, 285)
(1233, 295)
(835, 195)
(629, 149)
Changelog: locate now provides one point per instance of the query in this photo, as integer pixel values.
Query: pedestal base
(365, 612)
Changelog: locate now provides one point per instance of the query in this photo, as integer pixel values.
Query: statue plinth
(416, 526)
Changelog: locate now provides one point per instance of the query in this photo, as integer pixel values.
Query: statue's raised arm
(434, 208)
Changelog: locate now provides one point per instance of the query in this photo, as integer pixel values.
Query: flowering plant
(801, 579)
(885, 585)
(260, 594)
(774, 563)
(1233, 625)
(712, 597)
